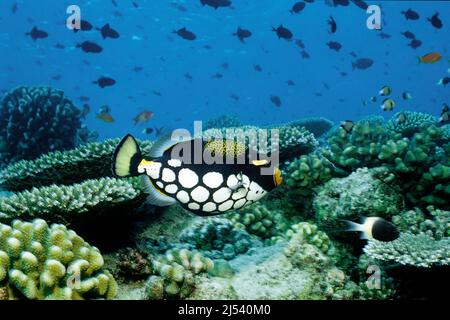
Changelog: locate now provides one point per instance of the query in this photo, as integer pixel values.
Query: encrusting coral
(89, 161)
(64, 203)
(36, 120)
(175, 273)
(365, 192)
(42, 262)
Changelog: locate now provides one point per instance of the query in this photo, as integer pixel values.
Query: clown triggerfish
(177, 172)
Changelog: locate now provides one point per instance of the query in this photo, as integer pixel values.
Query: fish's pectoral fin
(155, 197)
(126, 157)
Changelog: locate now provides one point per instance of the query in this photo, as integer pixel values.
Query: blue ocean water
(146, 41)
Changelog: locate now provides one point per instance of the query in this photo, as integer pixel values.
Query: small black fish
(408, 35)
(225, 66)
(297, 7)
(84, 26)
(332, 24)
(242, 34)
(35, 34)
(374, 228)
(105, 82)
(276, 100)
(90, 47)
(185, 34)
(257, 67)
(148, 131)
(415, 43)
(334, 45)
(137, 69)
(347, 125)
(444, 81)
(14, 8)
(411, 15)
(108, 32)
(84, 98)
(343, 3)
(188, 76)
(179, 7)
(362, 63)
(216, 3)
(360, 3)
(283, 32)
(59, 46)
(435, 21)
(135, 4)
(290, 83)
(57, 77)
(353, 54)
(114, 3)
(217, 75)
(157, 93)
(384, 35)
(305, 55)
(299, 43)
(235, 97)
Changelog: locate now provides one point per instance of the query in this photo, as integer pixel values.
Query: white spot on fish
(174, 163)
(209, 207)
(213, 179)
(183, 196)
(226, 205)
(187, 178)
(193, 206)
(221, 195)
(168, 175)
(171, 188)
(200, 194)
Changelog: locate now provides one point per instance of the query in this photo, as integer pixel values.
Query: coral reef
(90, 161)
(365, 192)
(36, 120)
(316, 125)
(223, 121)
(64, 203)
(413, 122)
(175, 274)
(217, 238)
(306, 173)
(42, 262)
(260, 220)
(132, 264)
(433, 222)
(292, 140)
(413, 250)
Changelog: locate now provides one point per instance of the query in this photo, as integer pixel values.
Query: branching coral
(36, 120)
(413, 250)
(89, 161)
(175, 274)
(42, 262)
(63, 203)
(316, 125)
(217, 238)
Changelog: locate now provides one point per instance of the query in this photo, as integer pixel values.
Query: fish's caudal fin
(353, 226)
(126, 158)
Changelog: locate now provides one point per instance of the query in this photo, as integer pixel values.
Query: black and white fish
(374, 228)
(174, 174)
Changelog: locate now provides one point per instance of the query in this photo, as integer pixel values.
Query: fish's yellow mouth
(277, 177)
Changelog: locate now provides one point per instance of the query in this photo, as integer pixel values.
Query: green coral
(42, 262)
(260, 220)
(306, 173)
(175, 274)
(412, 250)
(366, 192)
(217, 238)
(432, 222)
(64, 203)
(305, 232)
(413, 122)
(90, 161)
(316, 125)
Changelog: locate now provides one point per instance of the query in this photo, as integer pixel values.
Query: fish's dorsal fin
(162, 144)
(156, 197)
